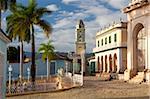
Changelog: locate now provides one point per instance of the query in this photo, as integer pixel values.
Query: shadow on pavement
(142, 97)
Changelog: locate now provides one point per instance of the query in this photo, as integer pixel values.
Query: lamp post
(28, 71)
(10, 70)
(66, 68)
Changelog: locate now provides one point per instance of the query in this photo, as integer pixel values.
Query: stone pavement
(96, 89)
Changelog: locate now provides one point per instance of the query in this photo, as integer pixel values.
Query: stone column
(127, 72)
(130, 48)
(147, 29)
(119, 60)
(100, 65)
(148, 43)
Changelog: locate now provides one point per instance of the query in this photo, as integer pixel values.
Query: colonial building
(111, 48)
(61, 60)
(3, 59)
(138, 53)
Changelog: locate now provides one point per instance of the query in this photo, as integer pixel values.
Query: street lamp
(66, 68)
(10, 70)
(28, 71)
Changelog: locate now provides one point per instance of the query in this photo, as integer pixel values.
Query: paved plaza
(96, 89)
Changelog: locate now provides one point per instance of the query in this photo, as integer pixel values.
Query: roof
(119, 25)
(58, 56)
(80, 22)
(63, 56)
(4, 37)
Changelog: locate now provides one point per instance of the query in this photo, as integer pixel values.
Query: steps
(138, 79)
(105, 76)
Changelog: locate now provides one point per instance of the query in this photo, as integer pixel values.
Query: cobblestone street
(96, 89)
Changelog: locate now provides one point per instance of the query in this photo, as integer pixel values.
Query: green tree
(4, 5)
(12, 54)
(47, 50)
(16, 30)
(22, 22)
(31, 15)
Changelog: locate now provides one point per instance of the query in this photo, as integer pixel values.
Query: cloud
(69, 1)
(96, 14)
(52, 7)
(3, 23)
(102, 17)
(119, 4)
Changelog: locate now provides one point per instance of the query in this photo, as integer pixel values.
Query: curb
(38, 92)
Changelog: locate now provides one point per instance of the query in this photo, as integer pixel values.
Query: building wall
(108, 54)
(3, 52)
(111, 43)
(124, 58)
(41, 68)
(138, 15)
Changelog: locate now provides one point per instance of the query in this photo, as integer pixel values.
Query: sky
(96, 15)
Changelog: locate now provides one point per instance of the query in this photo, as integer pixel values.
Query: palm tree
(16, 29)
(32, 15)
(4, 5)
(47, 53)
(27, 17)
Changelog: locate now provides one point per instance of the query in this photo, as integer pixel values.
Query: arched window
(106, 63)
(98, 64)
(141, 41)
(110, 62)
(115, 63)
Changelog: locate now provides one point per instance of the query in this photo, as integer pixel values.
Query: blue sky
(96, 14)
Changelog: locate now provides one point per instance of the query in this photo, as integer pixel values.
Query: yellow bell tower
(80, 38)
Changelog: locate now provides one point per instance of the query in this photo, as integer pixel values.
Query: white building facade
(110, 50)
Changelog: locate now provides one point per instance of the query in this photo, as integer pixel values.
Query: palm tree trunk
(33, 67)
(21, 60)
(47, 68)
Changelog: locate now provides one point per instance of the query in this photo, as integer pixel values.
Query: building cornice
(135, 5)
(110, 49)
(112, 27)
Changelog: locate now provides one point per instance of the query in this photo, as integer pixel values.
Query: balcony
(109, 46)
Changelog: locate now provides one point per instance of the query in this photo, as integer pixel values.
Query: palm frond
(45, 26)
(47, 50)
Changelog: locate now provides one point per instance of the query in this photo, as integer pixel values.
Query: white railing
(77, 78)
(21, 88)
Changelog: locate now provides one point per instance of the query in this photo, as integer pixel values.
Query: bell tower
(80, 47)
(80, 38)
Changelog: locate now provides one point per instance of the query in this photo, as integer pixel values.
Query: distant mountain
(64, 54)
